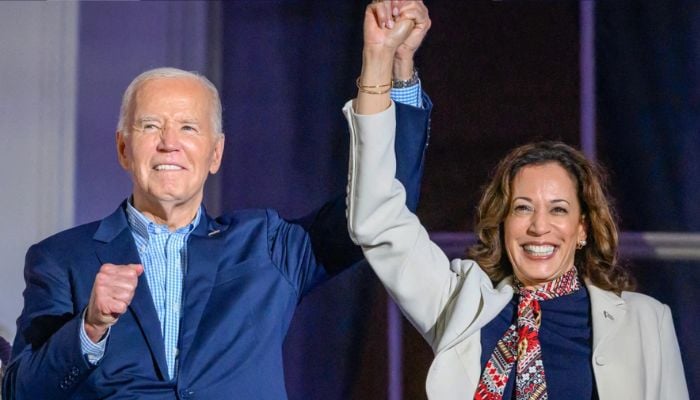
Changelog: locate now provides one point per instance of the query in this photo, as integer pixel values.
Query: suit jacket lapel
(203, 251)
(116, 246)
(608, 313)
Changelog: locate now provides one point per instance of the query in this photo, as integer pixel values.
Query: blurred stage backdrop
(620, 79)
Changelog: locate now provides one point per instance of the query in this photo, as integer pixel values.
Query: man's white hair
(160, 73)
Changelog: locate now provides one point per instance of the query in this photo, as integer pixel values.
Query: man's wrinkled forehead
(181, 90)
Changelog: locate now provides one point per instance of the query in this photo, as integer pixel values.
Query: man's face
(171, 146)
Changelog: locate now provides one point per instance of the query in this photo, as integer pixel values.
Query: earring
(580, 244)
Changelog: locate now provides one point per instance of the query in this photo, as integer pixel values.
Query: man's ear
(218, 154)
(122, 151)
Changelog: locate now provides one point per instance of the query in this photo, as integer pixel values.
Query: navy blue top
(565, 337)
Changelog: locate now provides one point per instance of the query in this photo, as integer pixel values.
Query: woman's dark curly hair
(597, 261)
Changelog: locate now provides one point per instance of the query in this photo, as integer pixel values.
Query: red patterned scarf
(521, 343)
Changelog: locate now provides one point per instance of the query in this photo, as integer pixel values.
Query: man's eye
(189, 128)
(150, 128)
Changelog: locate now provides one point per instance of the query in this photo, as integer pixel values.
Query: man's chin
(168, 199)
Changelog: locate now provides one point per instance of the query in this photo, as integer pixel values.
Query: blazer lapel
(608, 313)
(116, 246)
(202, 254)
(479, 302)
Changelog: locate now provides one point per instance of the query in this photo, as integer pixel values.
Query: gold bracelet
(366, 88)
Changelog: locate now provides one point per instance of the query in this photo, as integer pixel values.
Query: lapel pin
(212, 233)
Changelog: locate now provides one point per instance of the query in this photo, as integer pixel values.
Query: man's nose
(168, 138)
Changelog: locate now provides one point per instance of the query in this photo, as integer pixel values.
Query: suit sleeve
(321, 238)
(47, 360)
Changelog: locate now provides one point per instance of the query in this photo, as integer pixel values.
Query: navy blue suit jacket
(246, 273)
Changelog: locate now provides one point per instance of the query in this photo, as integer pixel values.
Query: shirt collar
(144, 227)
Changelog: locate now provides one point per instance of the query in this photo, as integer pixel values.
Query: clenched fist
(112, 292)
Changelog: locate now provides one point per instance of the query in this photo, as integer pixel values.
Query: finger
(118, 286)
(124, 294)
(107, 311)
(111, 310)
(138, 268)
(130, 271)
(372, 10)
(403, 28)
(125, 280)
(395, 7)
(416, 8)
(382, 12)
(420, 16)
(118, 307)
(116, 267)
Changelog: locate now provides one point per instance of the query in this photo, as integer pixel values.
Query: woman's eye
(521, 208)
(559, 210)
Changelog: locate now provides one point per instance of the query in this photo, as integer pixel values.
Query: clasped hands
(396, 28)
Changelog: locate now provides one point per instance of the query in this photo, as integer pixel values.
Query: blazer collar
(116, 222)
(608, 313)
(113, 225)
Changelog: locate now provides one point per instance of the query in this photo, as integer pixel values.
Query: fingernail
(390, 24)
(395, 11)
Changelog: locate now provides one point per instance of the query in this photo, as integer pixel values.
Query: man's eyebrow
(145, 118)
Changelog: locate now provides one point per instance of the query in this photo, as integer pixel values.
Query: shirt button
(601, 360)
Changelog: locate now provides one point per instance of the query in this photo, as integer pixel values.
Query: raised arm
(414, 270)
(328, 227)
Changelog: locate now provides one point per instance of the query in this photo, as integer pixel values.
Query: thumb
(402, 29)
(138, 268)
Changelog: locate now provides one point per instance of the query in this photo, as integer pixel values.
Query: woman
(543, 310)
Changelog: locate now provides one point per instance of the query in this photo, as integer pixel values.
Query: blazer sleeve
(415, 271)
(328, 240)
(47, 361)
(673, 384)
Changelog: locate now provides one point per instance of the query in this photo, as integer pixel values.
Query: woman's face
(543, 225)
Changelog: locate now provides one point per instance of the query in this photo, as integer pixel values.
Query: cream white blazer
(635, 350)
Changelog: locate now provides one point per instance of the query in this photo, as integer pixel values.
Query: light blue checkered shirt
(164, 258)
(412, 95)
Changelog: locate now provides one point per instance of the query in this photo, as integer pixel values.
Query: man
(161, 301)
